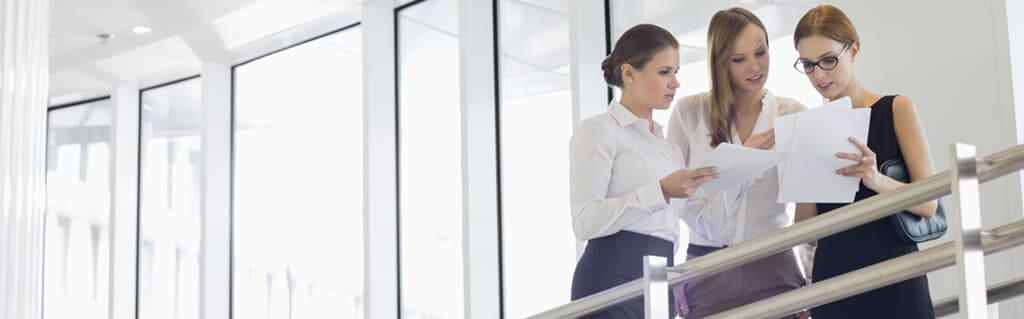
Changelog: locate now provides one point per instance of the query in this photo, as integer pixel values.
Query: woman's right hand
(684, 183)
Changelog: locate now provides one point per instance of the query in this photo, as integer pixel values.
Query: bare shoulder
(903, 108)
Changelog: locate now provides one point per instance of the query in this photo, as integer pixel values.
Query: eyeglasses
(826, 63)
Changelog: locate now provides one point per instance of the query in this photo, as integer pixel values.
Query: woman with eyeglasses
(828, 45)
(738, 110)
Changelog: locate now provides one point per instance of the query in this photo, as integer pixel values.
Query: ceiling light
(104, 37)
(142, 29)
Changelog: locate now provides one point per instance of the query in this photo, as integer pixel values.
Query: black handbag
(910, 227)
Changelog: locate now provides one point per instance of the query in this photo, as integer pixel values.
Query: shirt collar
(624, 117)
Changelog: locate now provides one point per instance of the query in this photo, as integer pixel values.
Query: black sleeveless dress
(869, 244)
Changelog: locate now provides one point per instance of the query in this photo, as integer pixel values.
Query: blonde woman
(737, 110)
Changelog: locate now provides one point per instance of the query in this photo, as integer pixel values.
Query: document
(814, 137)
(737, 165)
(785, 126)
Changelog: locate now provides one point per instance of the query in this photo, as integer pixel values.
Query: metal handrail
(996, 293)
(872, 277)
(990, 167)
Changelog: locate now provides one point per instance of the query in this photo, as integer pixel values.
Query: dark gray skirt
(614, 260)
(739, 286)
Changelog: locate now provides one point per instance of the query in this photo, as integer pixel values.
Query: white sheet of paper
(844, 103)
(737, 165)
(809, 174)
(785, 127)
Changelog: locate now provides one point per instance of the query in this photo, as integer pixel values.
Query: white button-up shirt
(729, 217)
(616, 164)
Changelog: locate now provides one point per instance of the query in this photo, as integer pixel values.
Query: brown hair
(725, 27)
(828, 21)
(636, 47)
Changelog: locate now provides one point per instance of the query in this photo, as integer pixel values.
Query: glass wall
(298, 199)
(298, 182)
(78, 211)
(169, 220)
(536, 123)
(688, 21)
(430, 169)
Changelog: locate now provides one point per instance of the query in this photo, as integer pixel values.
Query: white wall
(1015, 22)
(952, 59)
(1015, 34)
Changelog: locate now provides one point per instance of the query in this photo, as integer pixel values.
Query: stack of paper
(814, 137)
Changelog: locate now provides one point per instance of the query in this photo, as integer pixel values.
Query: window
(298, 183)
(430, 169)
(536, 124)
(78, 210)
(169, 220)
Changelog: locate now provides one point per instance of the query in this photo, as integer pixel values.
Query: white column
(125, 213)
(24, 86)
(1015, 35)
(586, 52)
(480, 224)
(380, 197)
(215, 192)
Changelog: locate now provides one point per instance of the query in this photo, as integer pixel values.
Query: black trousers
(617, 259)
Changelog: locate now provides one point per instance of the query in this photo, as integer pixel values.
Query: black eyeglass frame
(801, 64)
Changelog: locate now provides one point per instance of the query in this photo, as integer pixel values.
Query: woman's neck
(859, 97)
(635, 108)
(747, 103)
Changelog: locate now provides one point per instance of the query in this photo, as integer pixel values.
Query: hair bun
(609, 72)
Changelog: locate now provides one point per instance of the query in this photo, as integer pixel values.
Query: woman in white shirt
(626, 179)
(737, 110)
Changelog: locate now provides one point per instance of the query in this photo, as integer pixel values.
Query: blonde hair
(828, 21)
(725, 27)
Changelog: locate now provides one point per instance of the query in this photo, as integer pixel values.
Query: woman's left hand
(866, 168)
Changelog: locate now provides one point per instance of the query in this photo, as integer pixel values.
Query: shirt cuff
(651, 197)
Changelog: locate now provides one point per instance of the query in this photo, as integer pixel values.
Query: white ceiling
(184, 32)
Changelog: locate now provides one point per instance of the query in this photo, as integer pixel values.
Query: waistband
(698, 250)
